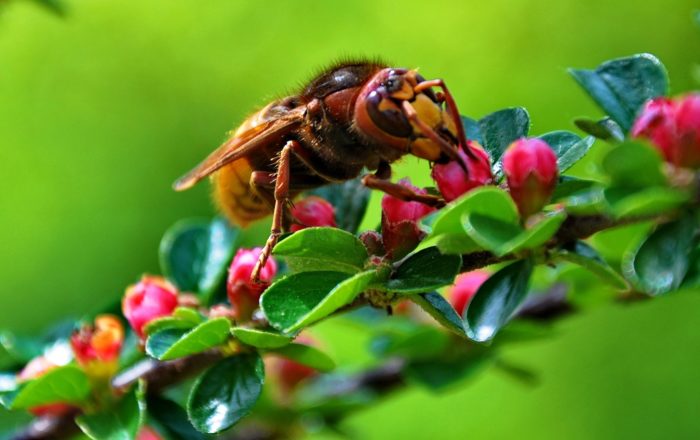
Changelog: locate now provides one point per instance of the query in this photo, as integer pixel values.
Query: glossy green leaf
(662, 260)
(195, 254)
(441, 310)
(291, 299)
(497, 299)
(490, 233)
(67, 384)
(260, 338)
(350, 199)
(472, 130)
(323, 249)
(175, 343)
(226, 393)
(644, 202)
(424, 271)
(620, 87)
(585, 256)
(605, 129)
(167, 322)
(569, 147)
(634, 165)
(501, 128)
(306, 355)
(568, 186)
(173, 418)
(119, 423)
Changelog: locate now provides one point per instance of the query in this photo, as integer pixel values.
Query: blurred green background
(102, 109)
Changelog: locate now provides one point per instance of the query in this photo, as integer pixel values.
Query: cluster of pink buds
(672, 126)
(243, 292)
(530, 166)
(464, 289)
(400, 230)
(453, 179)
(97, 347)
(312, 211)
(153, 297)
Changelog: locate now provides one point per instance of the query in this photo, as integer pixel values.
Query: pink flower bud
(530, 167)
(464, 289)
(147, 433)
(99, 344)
(37, 367)
(453, 181)
(400, 231)
(656, 123)
(312, 211)
(673, 126)
(153, 297)
(242, 292)
(688, 125)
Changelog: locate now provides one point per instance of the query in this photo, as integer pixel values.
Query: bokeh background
(101, 109)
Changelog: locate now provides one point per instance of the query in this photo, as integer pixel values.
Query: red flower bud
(312, 211)
(153, 297)
(464, 289)
(100, 344)
(673, 126)
(400, 231)
(288, 373)
(530, 167)
(453, 181)
(147, 433)
(37, 367)
(242, 292)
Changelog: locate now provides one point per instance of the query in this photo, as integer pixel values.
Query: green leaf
(175, 343)
(447, 230)
(605, 129)
(441, 310)
(588, 201)
(260, 338)
(195, 254)
(290, 299)
(661, 262)
(226, 393)
(306, 355)
(410, 341)
(453, 366)
(568, 186)
(497, 299)
(67, 384)
(644, 202)
(568, 147)
(167, 322)
(620, 87)
(585, 256)
(119, 423)
(634, 165)
(501, 128)
(471, 129)
(173, 418)
(350, 199)
(503, 238)
(301, 299)
(323, 249)
(424, 271)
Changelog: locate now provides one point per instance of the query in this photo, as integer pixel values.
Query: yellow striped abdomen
(234, 196)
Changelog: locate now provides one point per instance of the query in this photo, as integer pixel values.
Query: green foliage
(620, 87)
(260, 338)
(119, 423)
(424, 271)
(438, 307)
(497, 299)
(194, 255)
(226, 393)
(322, 249)
(67, 384)
(306, 355)
(585, 256)
(173, 418)
(501, 128)
(173, 343)
(569, 147)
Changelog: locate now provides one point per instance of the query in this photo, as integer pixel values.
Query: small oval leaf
(175, 343)
(260, 338)
(226, 393)
(323, 249)
(306, 355)
(424, 271)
